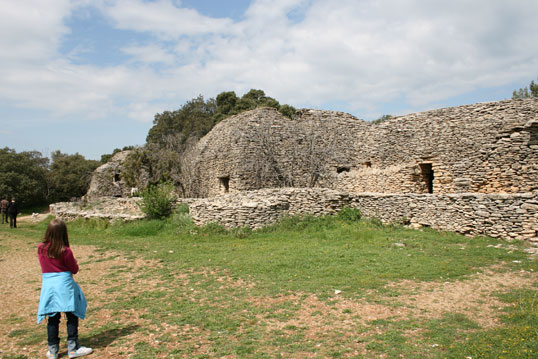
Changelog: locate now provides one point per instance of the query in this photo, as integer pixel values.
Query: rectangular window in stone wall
(224, 184)
(426, 172)
(533, 136)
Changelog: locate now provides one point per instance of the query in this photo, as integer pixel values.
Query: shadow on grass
(105, 338)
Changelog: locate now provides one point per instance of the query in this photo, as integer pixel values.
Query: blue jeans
(53, 325)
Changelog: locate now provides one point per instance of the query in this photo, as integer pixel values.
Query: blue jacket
(60, 293)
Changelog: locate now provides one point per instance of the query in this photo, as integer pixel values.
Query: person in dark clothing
(4, 203)
(13, 211)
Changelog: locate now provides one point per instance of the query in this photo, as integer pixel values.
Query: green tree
(23, 176)
(195, 118)
(288, 111)
(256, 98)
(531, 91)
(69, 176)
(226, 104)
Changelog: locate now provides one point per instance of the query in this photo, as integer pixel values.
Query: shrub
(182, 208)
(349, 214)
(157, 201)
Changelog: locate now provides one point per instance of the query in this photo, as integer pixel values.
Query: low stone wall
(509, 216)
(109, 208)
(259, 208)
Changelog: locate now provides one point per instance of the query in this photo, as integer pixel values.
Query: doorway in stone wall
(224, 184)
(426, 173)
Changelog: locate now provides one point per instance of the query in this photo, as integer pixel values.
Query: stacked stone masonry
(510, 216)
(482, 148)
(471, 169)
(109, 208)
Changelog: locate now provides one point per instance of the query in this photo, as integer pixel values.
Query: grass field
(329, 287)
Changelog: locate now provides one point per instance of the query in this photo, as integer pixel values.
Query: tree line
(526, 92)
(35, 180)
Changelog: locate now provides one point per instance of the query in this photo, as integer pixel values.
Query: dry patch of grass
(473, 297)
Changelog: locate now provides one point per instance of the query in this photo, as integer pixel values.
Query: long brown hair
(56, 238)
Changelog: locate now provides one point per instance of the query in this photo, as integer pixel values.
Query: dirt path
(19, 293)
(100, 279)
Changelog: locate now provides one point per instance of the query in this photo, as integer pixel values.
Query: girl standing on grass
(59, 291)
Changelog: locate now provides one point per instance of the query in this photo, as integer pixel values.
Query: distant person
(13, 211)
(4, 203)
(59, 291)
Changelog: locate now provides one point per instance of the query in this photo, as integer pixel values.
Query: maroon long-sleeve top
(65, 263)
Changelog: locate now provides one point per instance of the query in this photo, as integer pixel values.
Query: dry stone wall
(256, 209)
(509, 216)
(262, 148)
(484, 148)
(109, 208)
(471, 169)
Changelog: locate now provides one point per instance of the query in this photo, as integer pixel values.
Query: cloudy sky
(88, 76)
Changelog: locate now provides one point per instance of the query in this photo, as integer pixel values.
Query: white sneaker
(80, 352)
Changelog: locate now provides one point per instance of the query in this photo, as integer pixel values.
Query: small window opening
(224, 183)
(534, 136)
(342, 169)
(368, 164)
(426, 172)
(116, 177)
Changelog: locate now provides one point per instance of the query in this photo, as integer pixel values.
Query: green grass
(299, 259)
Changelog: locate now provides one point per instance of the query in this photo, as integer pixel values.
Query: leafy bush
(157, 201)
(349, 214)
(182, 208)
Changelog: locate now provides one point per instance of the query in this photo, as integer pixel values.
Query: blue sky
(88, 76)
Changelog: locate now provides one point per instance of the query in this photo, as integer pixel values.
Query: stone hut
(471, 169)
(107, 180)
(480, 148)
(261, 148)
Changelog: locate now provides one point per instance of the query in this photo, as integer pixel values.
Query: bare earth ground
(21, 282)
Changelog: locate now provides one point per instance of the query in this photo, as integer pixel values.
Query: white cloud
(149, 54)
(163, 18)
(306, 53)
(31, 29)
